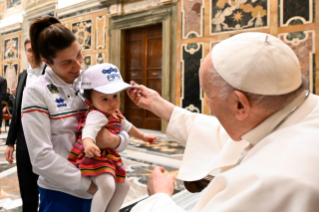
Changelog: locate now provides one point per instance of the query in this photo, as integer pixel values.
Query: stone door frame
(167, 16)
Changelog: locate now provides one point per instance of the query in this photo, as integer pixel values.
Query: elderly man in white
(262, 146)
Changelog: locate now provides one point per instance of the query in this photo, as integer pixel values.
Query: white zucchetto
(257, 63)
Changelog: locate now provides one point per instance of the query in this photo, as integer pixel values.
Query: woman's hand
(90, 149)
(106, 139)
(93, 189)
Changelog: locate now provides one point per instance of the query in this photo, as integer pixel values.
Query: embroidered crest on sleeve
(52, 88)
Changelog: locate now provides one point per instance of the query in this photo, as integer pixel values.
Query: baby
(102, 84)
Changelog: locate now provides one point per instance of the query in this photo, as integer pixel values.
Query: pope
(261, 146)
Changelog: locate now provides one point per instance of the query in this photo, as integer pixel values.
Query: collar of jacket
(57, 80)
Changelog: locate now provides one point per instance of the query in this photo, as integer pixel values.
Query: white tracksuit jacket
(51, 109)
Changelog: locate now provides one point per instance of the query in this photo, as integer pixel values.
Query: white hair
(264, 101)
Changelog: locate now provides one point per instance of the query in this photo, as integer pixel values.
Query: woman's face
(67, 63)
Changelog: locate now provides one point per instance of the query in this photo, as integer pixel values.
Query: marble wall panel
(303, 44)
(100, 32)
(11, 49)
(230, 15)
(293, 12)
(192, 18)
(87, 62)
(99, 58)
(91, 31)
(13, 3)
(191, 94)
(10, 59)
(83, 32)
(11, 73)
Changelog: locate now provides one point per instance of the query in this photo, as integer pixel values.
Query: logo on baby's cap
(111, 77)
(109, 71)
(52, 88)
(60, 102)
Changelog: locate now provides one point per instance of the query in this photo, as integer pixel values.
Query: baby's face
(107, 103)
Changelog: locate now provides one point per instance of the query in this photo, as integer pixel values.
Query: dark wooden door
(143, 64)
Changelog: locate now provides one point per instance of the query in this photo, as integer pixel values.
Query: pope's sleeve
(37, 130)
(157, 203)
(93, 124)
(180, 124)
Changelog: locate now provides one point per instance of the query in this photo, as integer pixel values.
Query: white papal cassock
(279, 173)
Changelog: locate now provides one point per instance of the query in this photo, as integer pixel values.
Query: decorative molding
(85, 5)
(138, 6)
(40, 9)
(143, 5)
(115, 9)
(14, 27)
(167, 16)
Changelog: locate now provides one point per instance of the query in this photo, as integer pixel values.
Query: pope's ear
(241, 105)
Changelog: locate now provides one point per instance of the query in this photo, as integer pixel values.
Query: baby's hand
(90, 149)
(150, 138)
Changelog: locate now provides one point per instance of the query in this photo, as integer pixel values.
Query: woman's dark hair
(48, 36)
(88, 95)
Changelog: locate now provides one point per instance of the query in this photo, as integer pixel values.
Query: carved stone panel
(100, 58)
(87, 62)
(100, 31)
(191, 94)
(303, 44)
(192, 18)
(11, 49)
(83, 32)
(230, 15)
(11, 73)
(293, 12)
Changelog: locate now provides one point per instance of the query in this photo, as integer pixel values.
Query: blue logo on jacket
(60, 102)
(109, 71)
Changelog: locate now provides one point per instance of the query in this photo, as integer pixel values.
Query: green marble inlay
(298, 35)
(192, 46)
(192, 35)
(295, 22)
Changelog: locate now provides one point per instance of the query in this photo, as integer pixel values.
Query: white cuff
(125, 139)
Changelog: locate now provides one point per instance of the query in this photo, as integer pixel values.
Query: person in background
(9, 98)
(27, 179)
(3, 89)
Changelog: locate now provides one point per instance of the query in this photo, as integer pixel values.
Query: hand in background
(9, 153)
(90, 149)
(150, 138)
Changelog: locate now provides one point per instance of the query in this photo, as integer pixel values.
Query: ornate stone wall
(91, 31)
(11, 47)
(207, 22)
